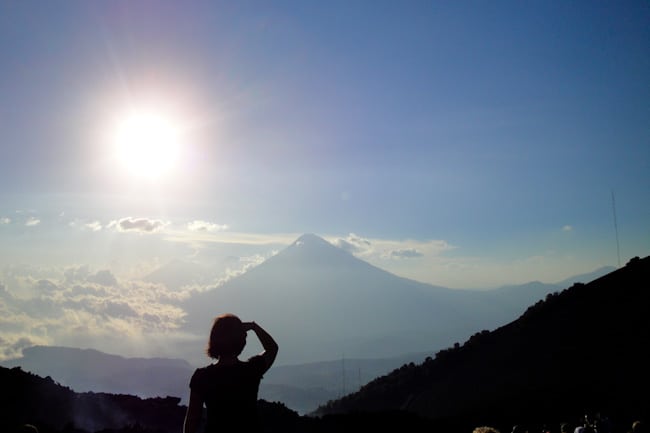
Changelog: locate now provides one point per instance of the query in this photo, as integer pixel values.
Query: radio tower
(618, 248)
(343, 374)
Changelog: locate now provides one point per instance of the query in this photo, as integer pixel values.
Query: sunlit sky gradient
(464, 144)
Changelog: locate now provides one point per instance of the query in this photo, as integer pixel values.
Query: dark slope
(92, 370)
(579, 350)
(322, 305)
(27, 398)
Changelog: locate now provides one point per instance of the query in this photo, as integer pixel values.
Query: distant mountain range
(322, 303)
(581, 351)
(340, 322)
(301, 387)
(91, 370)
(578, 352)
(26, 398)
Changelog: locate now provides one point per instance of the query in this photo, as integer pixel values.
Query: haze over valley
(373, 182)
(343, 323)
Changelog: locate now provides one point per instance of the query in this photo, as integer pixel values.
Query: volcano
(322, 303)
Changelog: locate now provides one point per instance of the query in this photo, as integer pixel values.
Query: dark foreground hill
(91, 370)
(29, 399)
(579, 351)
(339, 321)
(26, 398)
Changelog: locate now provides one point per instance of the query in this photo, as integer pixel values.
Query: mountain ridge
(321, 304)
(575, 355)
(302, 387)
(86, 370)
(539, 366)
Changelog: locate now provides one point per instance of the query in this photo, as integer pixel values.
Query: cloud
(408, 253)
(81, 307)
(204, 226)
(353, 244)
(567, 228)
(120, 309)
(379, 251)
(347, 246)
(94, 226)
(103, 278)
(138, 225)
(5, 220)
(76, 274)
(32, 221)
(12, 347)
(46, 286)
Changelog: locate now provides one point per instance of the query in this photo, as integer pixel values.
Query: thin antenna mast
(359, 376)
(343, 373)
(618, 248)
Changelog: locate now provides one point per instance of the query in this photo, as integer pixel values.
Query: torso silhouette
(230, 394)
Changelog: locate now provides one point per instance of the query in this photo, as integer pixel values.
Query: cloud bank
(138, 225)
(84, 307)
(204, 226)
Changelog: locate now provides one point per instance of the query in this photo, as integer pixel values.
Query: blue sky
(465, 144)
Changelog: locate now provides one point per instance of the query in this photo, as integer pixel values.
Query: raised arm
(268, 343)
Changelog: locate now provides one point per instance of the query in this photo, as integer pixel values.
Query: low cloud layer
(32, 221)
(353, 244)
(84, 306)
(204, 226)
(139, 225)
(130, 301)
(408, 253)
(94, 226)
(382, 249)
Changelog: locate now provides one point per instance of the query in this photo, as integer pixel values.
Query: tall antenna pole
(343, 373)
(359, 376)
(618, 248)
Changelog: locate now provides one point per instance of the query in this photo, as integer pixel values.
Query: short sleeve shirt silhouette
(230, 394)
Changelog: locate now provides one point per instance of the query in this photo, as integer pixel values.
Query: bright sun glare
(148, 144)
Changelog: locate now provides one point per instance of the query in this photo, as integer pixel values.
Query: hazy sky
(465, 143)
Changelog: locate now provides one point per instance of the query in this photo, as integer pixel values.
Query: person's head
(227, 337)
(485, 429)
(28, 428)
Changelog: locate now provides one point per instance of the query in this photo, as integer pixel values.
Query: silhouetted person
(602, 423)
(485, 429)
(638, 427)
(565, 427)
(584, 425)
(228, 387)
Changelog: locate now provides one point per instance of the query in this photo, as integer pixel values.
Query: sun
(147, 144)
